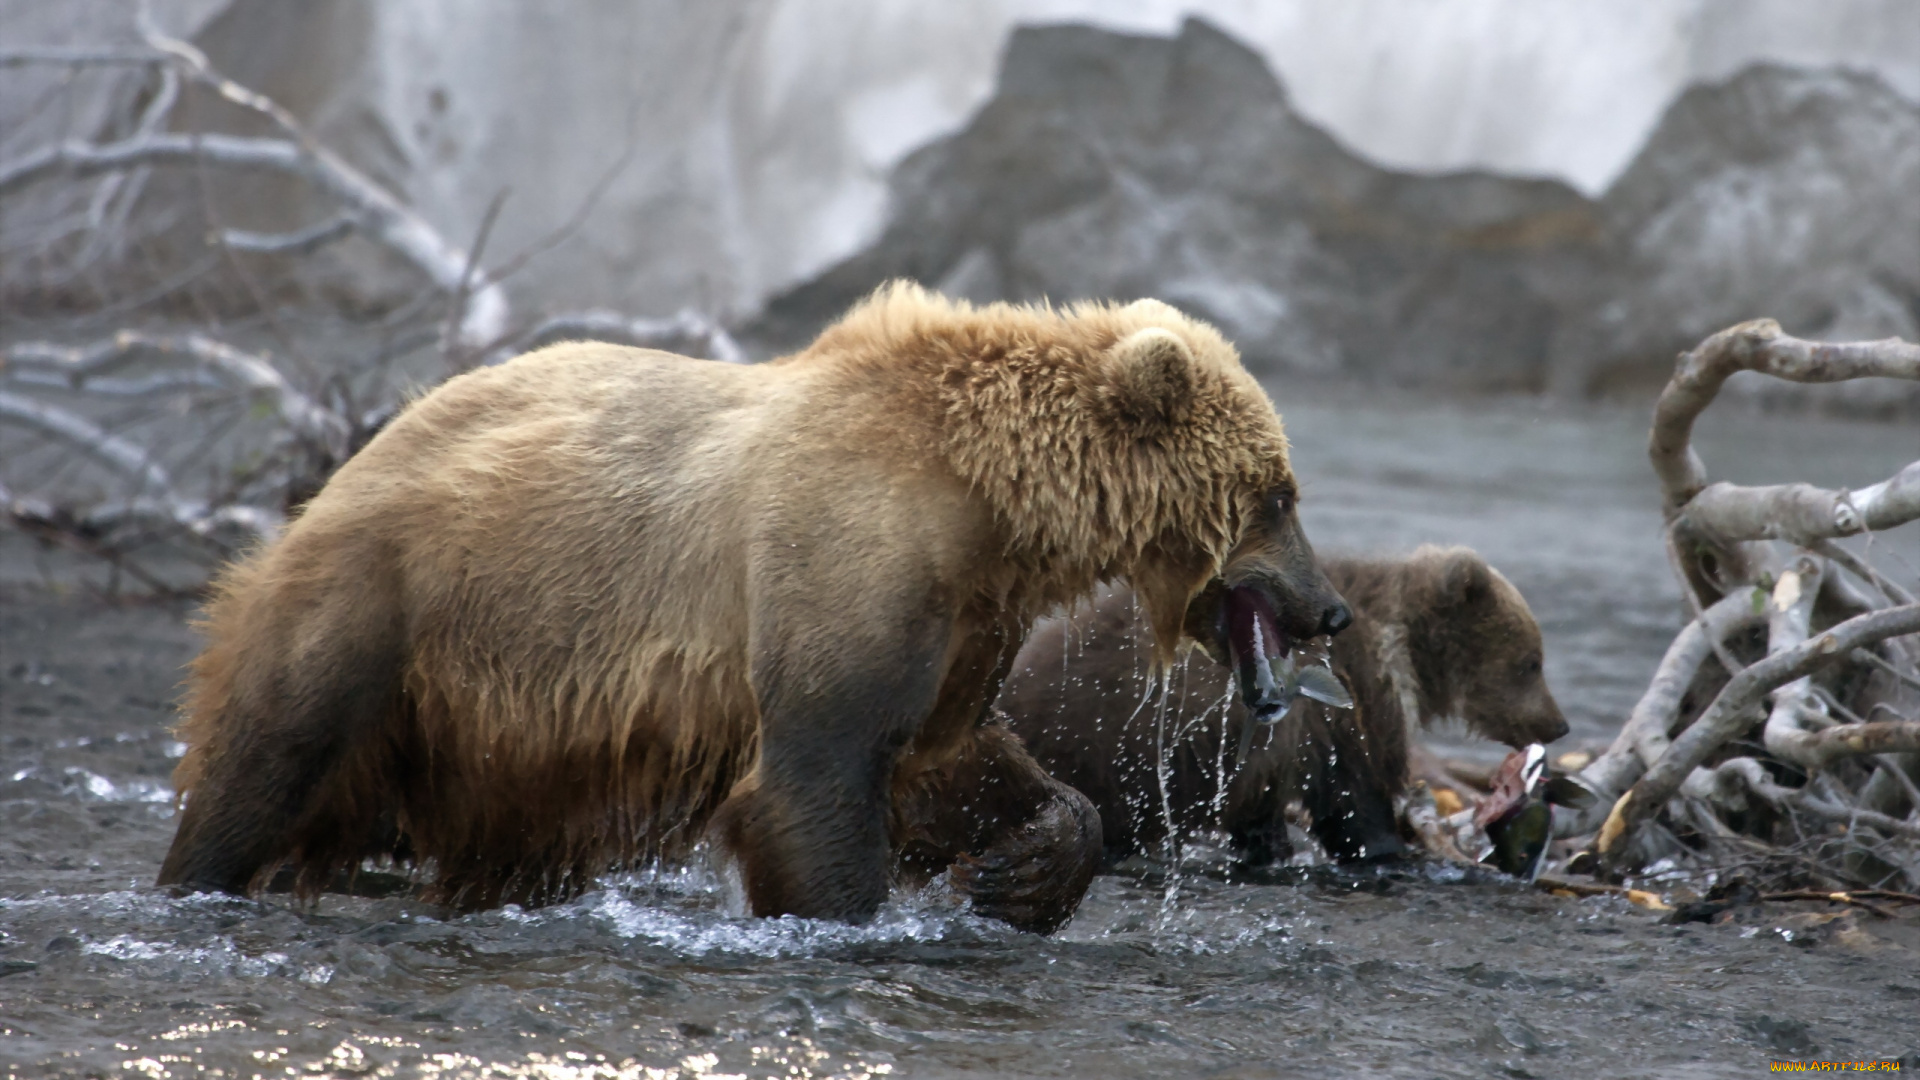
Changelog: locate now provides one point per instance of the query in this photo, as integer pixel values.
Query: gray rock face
(1117, 166)
(1782, 193)
(710, 155)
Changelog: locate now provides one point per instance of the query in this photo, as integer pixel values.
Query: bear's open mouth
(1254, 641)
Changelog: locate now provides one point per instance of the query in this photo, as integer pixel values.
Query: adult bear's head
(1116, 442)
(1268, 593)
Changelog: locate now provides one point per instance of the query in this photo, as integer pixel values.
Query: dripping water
(1217, 809)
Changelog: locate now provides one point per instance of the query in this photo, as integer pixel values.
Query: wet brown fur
(531, 630)
(1079, 698)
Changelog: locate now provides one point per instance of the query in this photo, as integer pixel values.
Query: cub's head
(1476, 648)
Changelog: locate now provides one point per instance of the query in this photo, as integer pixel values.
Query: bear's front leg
(808, 825)
(1021, 845)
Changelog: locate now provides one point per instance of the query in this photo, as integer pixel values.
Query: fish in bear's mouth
(1261, 656)
(1254, 642)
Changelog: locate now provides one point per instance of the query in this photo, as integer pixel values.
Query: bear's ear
(1152, 371)
(1465, 576)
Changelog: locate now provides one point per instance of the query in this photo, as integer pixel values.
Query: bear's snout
(1534, 718)
(1336, 618)
(1550, 726)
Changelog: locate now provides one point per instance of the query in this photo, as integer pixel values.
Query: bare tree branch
(1644, 737)
(378, 215)
(1730, 779)
(196, 518)
(137, 386)
(157, 499)
(1801, 513)
(90, 439)
(299, 242)
(458, 358)
(314, 427)
(1730, 713)
(79, 366)
(60, 57)
(84, 159)
(1859, 568)
(1865, 656)
(384, 219)
(1819, 750)
(686, 327)
(1753, 346)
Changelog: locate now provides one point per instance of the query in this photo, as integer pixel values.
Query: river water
(1295, 972)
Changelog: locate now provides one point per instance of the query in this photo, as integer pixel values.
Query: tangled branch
(1753, 346)
(1731, 712)
(1748, 555)
(67, 395)
(369, 209)
(688, 329)
(91, 368)
(1647, 732)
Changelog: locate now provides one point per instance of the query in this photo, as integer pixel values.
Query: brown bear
(569, 612)
(1436, 634)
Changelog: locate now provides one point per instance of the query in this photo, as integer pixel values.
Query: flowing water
(1292, 972)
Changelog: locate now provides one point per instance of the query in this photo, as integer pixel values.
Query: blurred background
(1460, 241)
(1482, 195)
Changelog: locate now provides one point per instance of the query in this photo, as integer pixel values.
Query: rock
(1110, 165)
(1118, 166)
(1779, 193)
(711, 155)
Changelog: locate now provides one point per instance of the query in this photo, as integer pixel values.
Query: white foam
(92, 785)
(920, 918)
(221, 956)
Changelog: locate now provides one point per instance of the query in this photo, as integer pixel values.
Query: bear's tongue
(1254, 641)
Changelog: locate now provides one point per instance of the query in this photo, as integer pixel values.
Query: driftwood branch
(1866, 657)
(688, 327)
(1789, 617)
(1801, 513)
(1729, 547)
(80, 367)
(1729, 781)
(1645, 736)
(1821, 749)
(375, 213)
(1753, 346)
(1731, 712)
(299, 242)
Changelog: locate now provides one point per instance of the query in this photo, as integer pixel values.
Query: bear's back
(544, 519)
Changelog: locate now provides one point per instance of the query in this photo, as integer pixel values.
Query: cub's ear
(1152, 373)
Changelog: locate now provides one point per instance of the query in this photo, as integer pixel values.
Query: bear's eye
(1282, 503)
(1530, 666)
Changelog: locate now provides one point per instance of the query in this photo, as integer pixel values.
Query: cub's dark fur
(1438, 633)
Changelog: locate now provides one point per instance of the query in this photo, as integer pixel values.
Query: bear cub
(1436, 634)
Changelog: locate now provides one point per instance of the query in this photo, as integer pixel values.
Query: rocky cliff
(769, 161)
(1779, 192)
(1110, 165)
